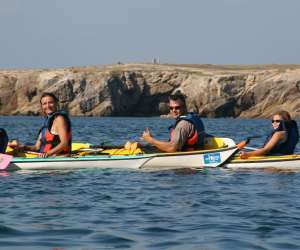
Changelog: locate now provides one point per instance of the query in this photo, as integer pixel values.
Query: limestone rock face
(143, 89)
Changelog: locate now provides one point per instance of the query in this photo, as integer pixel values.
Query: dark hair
(49, 94)
(178, 96)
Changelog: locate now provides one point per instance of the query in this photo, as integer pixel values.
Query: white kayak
(285, 162)
(217, 152)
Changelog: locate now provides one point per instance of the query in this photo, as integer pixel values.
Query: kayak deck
(218, 152)
(158, 161)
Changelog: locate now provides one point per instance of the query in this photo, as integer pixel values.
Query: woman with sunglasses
(281, 141)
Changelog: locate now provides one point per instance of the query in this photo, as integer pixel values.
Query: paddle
(77, 146)
(248, 141)
(250, 148)
(243, 144)
(4, 161)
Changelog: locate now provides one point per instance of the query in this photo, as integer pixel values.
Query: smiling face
(49, 105)
(177, 108)
(276, 121)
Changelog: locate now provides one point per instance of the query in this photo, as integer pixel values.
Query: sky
(64, 33)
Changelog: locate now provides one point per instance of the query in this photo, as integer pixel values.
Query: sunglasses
(175, 107)
(276, 121)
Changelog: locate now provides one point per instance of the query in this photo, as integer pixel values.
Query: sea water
(125, 209)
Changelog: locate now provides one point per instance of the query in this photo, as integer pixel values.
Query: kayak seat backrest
(78, 145)
(214, 143)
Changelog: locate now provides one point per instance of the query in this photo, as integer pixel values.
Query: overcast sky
(59, 33)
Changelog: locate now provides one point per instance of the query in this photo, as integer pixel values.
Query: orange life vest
(48, 140)
(196, 139)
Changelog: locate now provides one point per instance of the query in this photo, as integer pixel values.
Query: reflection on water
(4, 174)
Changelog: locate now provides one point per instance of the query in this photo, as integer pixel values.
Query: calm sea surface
(118, 209)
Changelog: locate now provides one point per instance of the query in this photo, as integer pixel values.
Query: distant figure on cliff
(186, 134)
(55, 136)
(282, 139)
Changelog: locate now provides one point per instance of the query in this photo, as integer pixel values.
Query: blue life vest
(196, 140)
(288, 145)
(48, 140)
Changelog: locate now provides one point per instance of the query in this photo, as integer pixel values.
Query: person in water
(3, 140)
(55, 137)
(281, 141)
(186, 134)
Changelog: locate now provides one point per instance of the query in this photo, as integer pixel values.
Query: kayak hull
(159, 161)
(194, 159)
(57, 163)
(286, 162)
(219, 153)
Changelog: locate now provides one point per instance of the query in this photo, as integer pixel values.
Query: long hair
(285, 115)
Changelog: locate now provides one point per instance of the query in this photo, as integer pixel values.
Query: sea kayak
(219, 152)
(285, 162)
(216, 152)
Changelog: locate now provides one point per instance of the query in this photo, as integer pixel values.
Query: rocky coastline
(142, 89)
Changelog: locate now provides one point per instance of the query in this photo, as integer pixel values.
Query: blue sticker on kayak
(212, 158)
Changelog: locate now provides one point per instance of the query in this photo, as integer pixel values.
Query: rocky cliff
(143, 89)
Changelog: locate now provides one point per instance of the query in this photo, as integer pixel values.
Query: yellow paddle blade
(9, 150)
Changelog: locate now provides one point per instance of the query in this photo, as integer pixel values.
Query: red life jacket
(190, 142)
(196, 139)
(48, 140)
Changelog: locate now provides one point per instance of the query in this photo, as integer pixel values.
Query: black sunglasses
(277, 121)
(175, 107)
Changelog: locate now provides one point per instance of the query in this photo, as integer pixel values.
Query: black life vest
(48, 140)
(196, 140)
(293, 136)
(288, 145)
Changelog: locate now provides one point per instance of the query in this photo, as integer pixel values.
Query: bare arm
(277, 136)
(164, 146)
(36, 147)
(23, 147)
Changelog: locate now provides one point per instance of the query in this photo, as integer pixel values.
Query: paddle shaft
(250, 148)
(101, 146)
